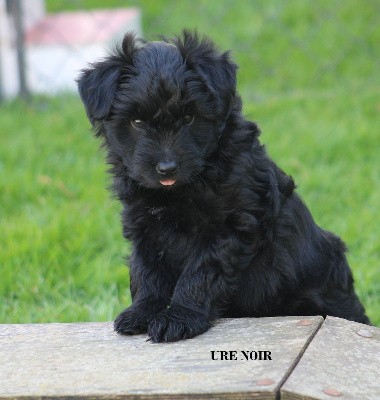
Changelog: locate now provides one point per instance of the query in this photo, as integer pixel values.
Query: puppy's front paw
(132, 321)
(177, 323)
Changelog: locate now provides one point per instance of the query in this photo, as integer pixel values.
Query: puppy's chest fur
(172, 226)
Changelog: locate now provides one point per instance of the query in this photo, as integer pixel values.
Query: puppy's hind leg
(345, 304)
(336, 296)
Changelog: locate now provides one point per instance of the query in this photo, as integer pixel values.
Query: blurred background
(309, 75)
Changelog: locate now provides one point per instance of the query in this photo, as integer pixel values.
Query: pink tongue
(168, 182)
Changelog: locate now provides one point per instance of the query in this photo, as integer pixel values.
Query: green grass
(308, 76)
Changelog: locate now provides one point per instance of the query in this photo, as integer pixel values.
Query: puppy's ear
(216, 69)
(97, 85)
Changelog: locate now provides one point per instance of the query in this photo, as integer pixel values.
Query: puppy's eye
(188, 119)
(137, 123)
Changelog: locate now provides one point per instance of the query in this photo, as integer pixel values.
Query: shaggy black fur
(216, 226)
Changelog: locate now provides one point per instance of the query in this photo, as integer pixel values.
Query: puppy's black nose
(166, 168)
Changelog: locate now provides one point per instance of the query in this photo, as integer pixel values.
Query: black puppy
(216, 226)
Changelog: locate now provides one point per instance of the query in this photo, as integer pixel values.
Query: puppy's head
(161, 106)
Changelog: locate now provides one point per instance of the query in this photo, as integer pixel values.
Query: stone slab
(342, 361)
(90, 360)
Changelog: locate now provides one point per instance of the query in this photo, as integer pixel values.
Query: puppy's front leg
(151, 290)
(209, 280)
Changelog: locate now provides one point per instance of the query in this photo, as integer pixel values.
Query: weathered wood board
(342, 361)
(90, 360)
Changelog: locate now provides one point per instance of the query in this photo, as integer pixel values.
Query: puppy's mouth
(168, 182)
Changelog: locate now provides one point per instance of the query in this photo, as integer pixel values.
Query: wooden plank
(342, 361)
(90, 360)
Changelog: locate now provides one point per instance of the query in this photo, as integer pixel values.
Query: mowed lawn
(308, 75)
